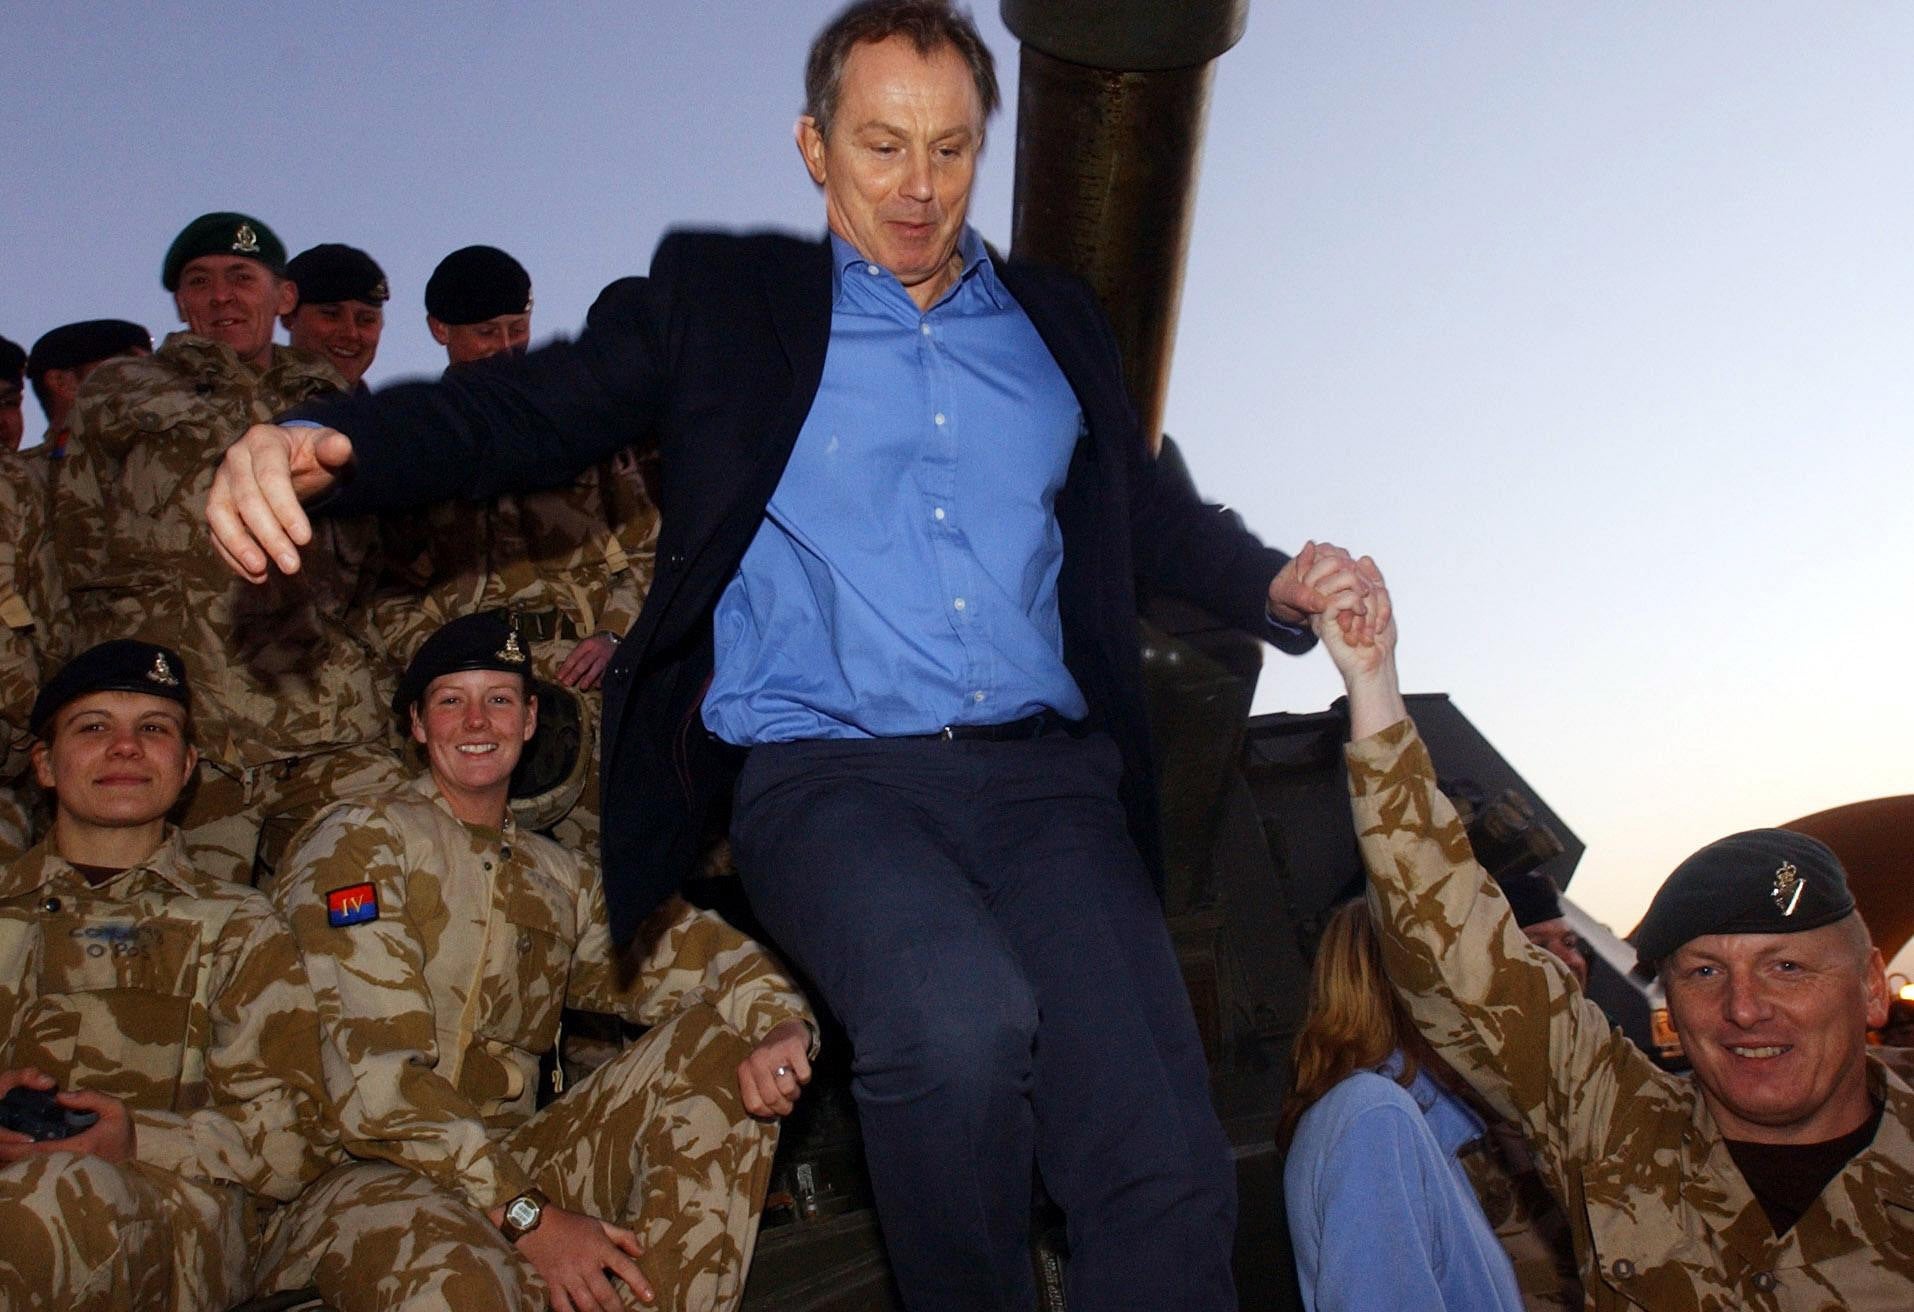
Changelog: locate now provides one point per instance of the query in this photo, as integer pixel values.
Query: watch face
(522, 1213)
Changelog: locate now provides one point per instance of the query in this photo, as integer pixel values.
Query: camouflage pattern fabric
(34, 637)
(18, 825)
(237, 820)
(279, 670)
(84, 1235)
(1661, 1217)
(184, 996)
(442, 954)
(1527, 1220)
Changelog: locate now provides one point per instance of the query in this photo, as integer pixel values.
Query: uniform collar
(428, 787)
(42, 866)
(208, 360)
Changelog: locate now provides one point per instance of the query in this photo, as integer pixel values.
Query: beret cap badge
(245, 240)
(511, 651)
(1788, 884)
(162, 673)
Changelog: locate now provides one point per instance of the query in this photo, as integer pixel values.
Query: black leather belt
(538, 625)
(1031, 726)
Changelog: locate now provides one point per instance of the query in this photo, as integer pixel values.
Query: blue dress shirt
(1381, 1214)
(905, 575)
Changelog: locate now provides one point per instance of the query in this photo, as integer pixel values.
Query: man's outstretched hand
(253, 509)
(1303, 586)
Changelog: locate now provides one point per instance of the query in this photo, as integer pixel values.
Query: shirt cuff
(300, 423)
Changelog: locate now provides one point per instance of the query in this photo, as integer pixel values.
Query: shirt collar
(42, 866)
(970, 249)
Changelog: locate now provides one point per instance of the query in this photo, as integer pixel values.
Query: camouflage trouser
(657, 1140)
(78, 1232)
(238, 817)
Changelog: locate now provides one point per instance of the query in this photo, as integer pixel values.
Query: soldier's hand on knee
(573, 1254)
(772, 1077)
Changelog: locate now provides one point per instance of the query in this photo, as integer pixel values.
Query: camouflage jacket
(442, 954)
(584, 550)
(279, 670)
(1527, 1220)
(180, 994)
(1662, 1218)
(33, 611)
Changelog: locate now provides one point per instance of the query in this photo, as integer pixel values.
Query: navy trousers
(978, 918)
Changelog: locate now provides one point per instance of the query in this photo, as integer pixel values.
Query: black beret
(13, 361)
(222, 233)
(486, 641)
(1534, 898)
(332, 272)
(1764, 881)
(73, 344)
(122, 665)
(477, 283)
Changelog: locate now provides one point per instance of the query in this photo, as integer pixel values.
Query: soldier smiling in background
(340, 312)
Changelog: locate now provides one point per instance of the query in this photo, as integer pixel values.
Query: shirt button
(1623, 1268)
(940, 419)
(976, 696)
(488, 865)
(939, 512)
(924, 328)
(959, 603)
(872, 269)
(50, 905)
(1765, 1281)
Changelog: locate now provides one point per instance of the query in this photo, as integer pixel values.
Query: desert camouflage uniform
(33, 639)
(1662, 1218)
(574, 560)
(437, 1013)
(184, 996)
(287, 712)
(1527, 1220)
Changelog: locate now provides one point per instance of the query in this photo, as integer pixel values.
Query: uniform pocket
(116, 1004)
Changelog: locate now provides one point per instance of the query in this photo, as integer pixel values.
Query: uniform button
(524, 942)
(976, 696)
(1623, 1268)
(488, 865)
(50, 905)
(1765, 1281)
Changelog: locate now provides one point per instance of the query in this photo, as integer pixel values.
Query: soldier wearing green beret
(571, 564)
(340, 312)
(1780, 1175)
(443, 940)
(291, 712)
(166, 1006)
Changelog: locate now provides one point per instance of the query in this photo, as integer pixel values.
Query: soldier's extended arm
(688, 956)
(1501, 1011)
(389, 1083)
(267, 1128)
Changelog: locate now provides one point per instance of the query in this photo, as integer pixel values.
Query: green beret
(122, 665)
(477, 283)
(1533, 897)
(73, 344)
(222, 233)
(486, 641)
(331, 272)
(1764, 881)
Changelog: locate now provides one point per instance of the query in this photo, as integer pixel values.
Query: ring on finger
(781, 1072)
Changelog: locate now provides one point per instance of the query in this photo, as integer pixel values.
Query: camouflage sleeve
(101, 429)
(20, 666)
(1504, 1013)
(393, 1089)
(634, 541)
(684, 956)
(267, 1127)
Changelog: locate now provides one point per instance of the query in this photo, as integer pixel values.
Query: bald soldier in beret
(291, 714)
(570, 564)
(1781, 1175)
(169, 1008)
(443, 941)
(340, 311)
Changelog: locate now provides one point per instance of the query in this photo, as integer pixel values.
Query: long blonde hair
(1355, 1018)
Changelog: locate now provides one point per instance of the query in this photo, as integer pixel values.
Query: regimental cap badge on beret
(1788, 885)
(381, 291)
(245, 240)
(162, 673)
(511, 651)
(485, 641)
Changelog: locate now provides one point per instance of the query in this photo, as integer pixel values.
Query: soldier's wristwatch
(523, 1214)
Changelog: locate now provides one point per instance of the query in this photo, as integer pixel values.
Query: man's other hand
(253, 509)
(573, 1252)
(584, 667)
(773, 1076)
(1303, 586)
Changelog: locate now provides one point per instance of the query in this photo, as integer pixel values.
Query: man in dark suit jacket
(931, 817)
